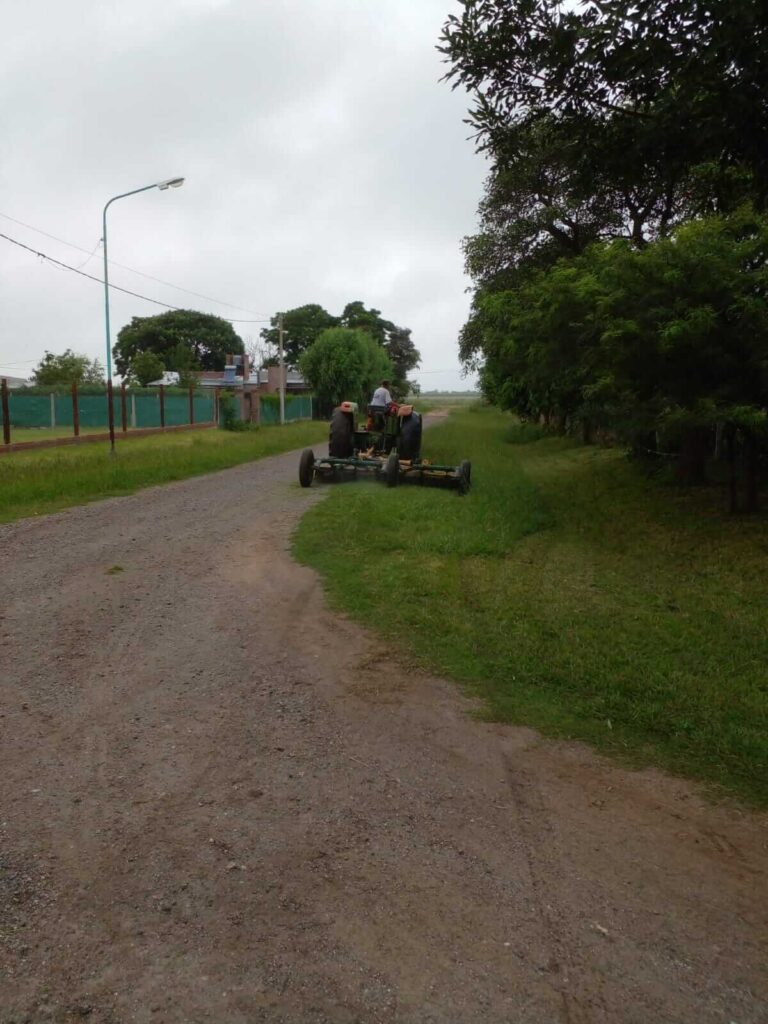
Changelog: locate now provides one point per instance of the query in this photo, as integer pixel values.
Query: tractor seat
(378, 414)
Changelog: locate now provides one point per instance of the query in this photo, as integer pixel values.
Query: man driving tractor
(381, 403)
(381, 395)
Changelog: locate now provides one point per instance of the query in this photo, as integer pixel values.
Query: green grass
(49, 433)
(46, 480)
(570, 594)
(426, 405)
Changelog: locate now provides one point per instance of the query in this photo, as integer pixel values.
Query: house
(169, 379)
(238, 373)
(269, 381)
(15, 382)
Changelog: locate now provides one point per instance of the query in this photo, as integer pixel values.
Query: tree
(404, 357)
(145, 368)
(344, 364)
(208, 339)
(183, 361)
(672, 87)
(396, 342)
(668, 341)
(301, 326)
(67, 368)
(356, 316)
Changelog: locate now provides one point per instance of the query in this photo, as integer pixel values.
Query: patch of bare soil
(220, 802)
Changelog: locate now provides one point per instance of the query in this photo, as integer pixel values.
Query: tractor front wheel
(392, 469)
(307, 467)
(465, 476)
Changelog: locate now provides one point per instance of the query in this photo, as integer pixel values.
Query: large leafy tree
(396, 341)
(404, 357)
(67, 368)
(178, 337)
(145, 368)
(656, 89)
(344, 364)
(670, 339)
(301, 326)
(356, 316)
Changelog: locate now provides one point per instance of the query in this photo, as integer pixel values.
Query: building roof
(15, 382)
(169, 378)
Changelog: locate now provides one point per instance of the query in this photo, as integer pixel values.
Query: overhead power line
(115, 287)
(140, 273)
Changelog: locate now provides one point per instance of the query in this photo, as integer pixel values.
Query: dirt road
(222, 803)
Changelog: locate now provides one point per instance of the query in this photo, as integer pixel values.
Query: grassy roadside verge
(48, 480)
(570, 594)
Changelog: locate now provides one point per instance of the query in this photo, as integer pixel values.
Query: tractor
(387, 445)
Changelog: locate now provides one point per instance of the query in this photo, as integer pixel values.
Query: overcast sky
(324, 162)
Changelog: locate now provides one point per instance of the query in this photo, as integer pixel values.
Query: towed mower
(387, 445)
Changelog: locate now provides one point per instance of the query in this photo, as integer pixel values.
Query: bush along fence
(63, 415)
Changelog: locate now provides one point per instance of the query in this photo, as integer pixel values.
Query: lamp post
(162, 185)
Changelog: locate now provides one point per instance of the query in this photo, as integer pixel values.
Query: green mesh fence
(297, 407)
(29, 410)
(142, 410)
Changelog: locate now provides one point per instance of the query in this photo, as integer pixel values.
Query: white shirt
(381, 397)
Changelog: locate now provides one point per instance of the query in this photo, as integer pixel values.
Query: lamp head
(170, 183)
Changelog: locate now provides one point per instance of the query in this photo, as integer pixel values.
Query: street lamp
(162, 185)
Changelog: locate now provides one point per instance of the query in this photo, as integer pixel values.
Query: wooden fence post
(123, 408)
(75, 412)
(53, 411)
(162, 405)
(216, 407)
(191, 405)
(6, 414)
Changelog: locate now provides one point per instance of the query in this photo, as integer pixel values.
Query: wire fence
(36, 419)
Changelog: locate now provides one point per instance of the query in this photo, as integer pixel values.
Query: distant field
(46, 480)
(570, 593)
(448, 400)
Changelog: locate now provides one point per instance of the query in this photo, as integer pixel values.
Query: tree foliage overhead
(344, 364)
(672, 84)
(183, 339)
(67, 368)
(619, 267)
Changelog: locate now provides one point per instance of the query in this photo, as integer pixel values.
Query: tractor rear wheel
(341, 437)
(465, 476)
(392, 469)
(409, 442)
(307, 467)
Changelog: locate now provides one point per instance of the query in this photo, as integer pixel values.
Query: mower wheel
(342, 434)
(307, 467)
(392, 469)
(465, 476)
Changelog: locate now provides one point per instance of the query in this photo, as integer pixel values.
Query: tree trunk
(692, 468)
(733, 489)
(719, 431)
(587, 431)
(751, 452)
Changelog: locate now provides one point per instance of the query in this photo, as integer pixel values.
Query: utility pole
(282, 368)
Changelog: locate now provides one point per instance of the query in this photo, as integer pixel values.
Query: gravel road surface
(221, 802)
